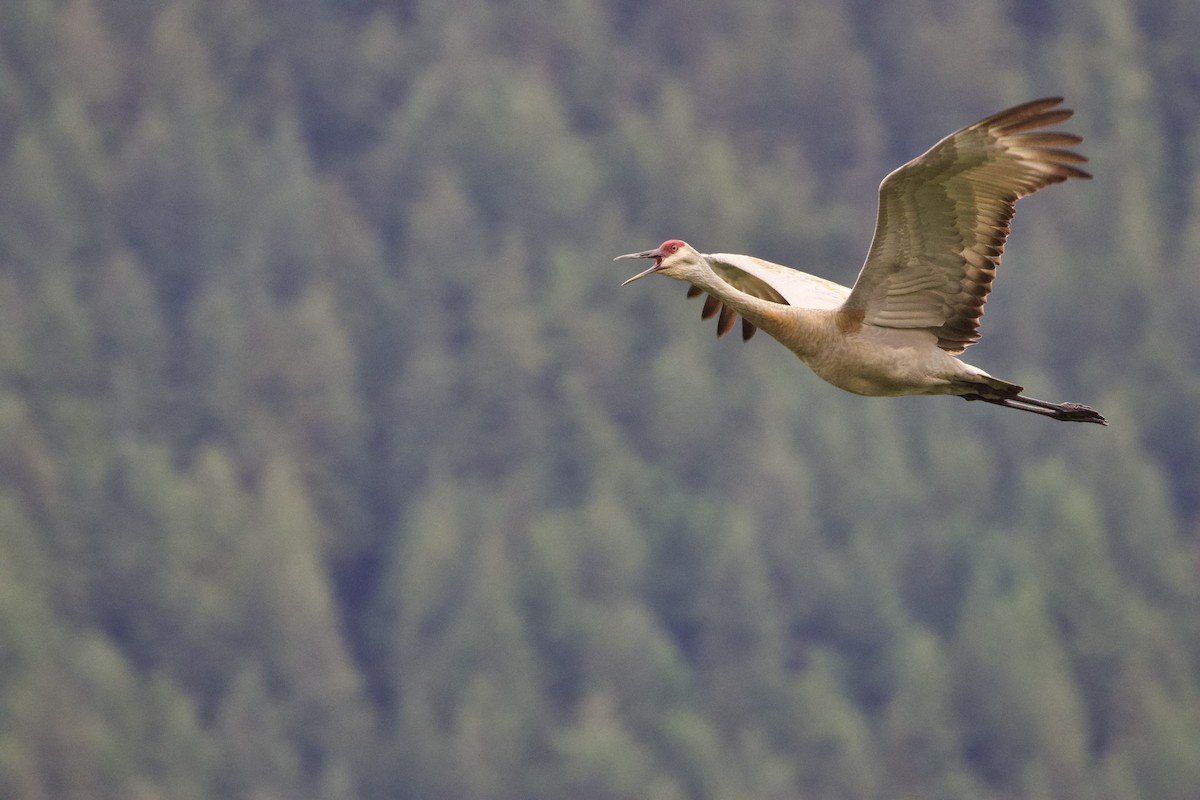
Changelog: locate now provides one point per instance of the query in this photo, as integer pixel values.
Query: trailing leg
(1067, 412)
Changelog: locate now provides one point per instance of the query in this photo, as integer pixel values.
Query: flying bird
(942, 224)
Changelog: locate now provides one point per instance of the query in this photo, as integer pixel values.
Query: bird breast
(883, 362)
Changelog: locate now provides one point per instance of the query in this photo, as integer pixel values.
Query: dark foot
(1078, 412)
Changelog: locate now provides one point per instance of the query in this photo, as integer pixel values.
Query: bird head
(673, 258)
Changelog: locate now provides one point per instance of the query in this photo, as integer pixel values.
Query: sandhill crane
(942, 223)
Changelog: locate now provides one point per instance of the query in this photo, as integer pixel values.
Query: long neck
(804, 331)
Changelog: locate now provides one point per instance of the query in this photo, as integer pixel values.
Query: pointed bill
(655, 254)
(641, 274)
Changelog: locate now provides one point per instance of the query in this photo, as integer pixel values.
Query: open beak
(656, 254)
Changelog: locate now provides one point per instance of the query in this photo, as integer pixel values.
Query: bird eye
(673, 248)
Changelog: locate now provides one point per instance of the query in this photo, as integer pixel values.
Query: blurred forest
(335, 464)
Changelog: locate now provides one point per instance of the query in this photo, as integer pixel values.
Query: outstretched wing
(943, 220)
(766, 281)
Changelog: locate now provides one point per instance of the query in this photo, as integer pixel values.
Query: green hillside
(334, 463)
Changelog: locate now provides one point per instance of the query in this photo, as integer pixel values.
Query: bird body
(834, 342)
(942, 224)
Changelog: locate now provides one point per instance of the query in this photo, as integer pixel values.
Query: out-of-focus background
(335, 464)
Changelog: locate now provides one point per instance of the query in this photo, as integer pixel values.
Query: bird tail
(985, 387)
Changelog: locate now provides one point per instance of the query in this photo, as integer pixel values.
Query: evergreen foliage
(334, 464)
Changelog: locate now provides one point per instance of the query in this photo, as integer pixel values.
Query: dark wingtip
(725, 321)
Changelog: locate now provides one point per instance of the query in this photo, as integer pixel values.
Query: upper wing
(943, 220)
(766, 281)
